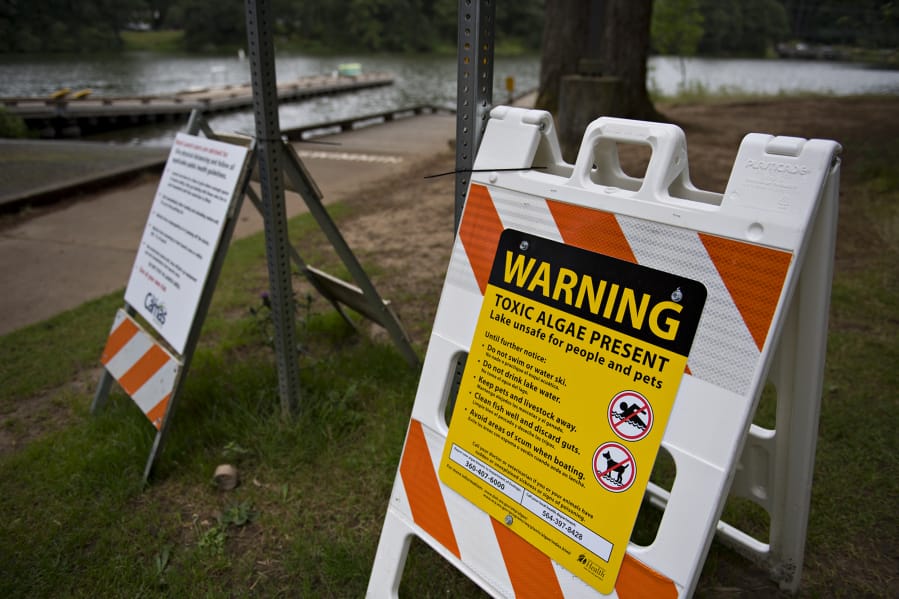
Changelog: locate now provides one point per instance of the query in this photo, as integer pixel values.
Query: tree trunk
(623, 51)
(623, 48)
(565, 37)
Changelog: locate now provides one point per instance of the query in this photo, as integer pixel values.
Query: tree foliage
(677, 27)
(208, 25)
(738, 28)
(730, 27)
(864, 23)
(63, 26)
(359, 25)
(366, 25)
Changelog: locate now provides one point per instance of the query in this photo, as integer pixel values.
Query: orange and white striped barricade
(553, 373)
(145, 370)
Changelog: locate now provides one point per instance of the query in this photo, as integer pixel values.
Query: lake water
(418, 80)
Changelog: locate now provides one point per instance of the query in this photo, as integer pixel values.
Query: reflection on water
(418, 80)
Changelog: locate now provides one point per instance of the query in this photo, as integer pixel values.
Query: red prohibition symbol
(630, 415)
(614, 467)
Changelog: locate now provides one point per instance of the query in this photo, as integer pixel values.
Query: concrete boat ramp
(81, 247)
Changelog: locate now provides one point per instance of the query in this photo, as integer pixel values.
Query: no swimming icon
(630, 415)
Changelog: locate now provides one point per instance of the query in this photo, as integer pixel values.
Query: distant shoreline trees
(28, 26)
(729, 27)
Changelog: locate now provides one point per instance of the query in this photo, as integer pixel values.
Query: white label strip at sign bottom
(571, 528)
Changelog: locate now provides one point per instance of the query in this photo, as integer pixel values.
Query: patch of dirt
(405, 226)
(47, 411)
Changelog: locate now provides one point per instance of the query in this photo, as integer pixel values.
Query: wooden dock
(65, 116)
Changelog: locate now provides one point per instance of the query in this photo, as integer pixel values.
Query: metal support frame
(477, 20)
(261, 53)
(361, 297)
(365, 298)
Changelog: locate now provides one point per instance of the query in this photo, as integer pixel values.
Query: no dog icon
(614, 467)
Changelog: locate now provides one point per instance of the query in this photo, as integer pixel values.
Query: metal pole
(475, 88)
(261, 53)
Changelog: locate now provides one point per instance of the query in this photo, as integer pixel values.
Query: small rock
(226, 477)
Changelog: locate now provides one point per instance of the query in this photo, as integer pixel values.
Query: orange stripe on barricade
(157, 412)
(530, 571)
(636, 580)
(118, 338)
(754, 276)
(423, 489)
(144, 369)
(592, 230)
(479, 231)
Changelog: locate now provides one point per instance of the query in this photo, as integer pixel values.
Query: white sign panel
(182, 234)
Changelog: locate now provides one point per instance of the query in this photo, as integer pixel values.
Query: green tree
(738, 28)
(12, 125)
(677, 29)
(445, 16)
(365, 23)
(521, 22)
(159, 12)
(866, 23)
(63, 26)
(765, 24)
(214, 24)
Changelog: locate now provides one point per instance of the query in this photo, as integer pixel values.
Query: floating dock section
(79, 113)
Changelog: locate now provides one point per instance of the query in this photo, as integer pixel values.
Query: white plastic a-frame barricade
(763, 251)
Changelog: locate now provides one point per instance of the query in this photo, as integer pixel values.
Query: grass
(166, 41)
(84, 330)
(81, 525)
(306, 517)
(12, 126)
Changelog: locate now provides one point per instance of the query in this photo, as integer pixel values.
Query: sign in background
(570, 380)
(182, 234)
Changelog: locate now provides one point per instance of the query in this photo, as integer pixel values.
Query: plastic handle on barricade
(598, 148)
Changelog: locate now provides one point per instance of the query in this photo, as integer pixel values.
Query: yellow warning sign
(571, 377)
